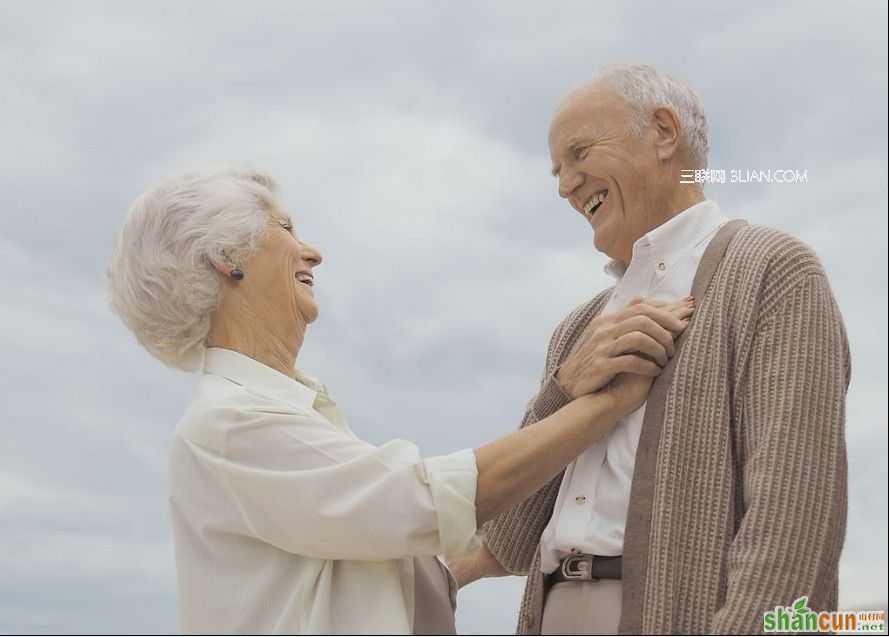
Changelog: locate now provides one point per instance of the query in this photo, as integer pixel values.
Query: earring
(236, 273)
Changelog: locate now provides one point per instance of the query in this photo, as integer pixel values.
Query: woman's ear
(219, 265)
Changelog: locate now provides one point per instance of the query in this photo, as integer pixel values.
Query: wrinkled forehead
(587, 112)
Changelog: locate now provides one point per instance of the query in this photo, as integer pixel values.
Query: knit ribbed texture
(744, 505)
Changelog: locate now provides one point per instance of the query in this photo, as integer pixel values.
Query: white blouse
(285, 522)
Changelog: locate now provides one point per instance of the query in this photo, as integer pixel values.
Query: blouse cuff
(452, 480)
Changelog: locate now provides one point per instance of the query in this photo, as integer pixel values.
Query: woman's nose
(311, 255)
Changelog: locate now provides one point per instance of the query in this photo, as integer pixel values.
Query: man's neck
(679, 200)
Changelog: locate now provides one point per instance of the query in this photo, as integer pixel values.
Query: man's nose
(568, 182)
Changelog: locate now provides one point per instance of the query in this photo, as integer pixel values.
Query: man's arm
(791, 420)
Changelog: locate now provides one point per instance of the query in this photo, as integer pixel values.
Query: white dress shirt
(285, 522)
(591, 509)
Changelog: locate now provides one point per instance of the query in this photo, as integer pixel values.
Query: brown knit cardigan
(738, 500)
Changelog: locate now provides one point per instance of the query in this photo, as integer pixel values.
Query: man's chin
(600, 244)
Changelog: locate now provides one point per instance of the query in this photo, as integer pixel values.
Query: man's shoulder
(771, 253)
(762, 265)
(588, 309)
(578, 318)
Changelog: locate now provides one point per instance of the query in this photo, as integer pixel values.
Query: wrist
(563, 383)
(602, 407)
(476, 566)
(489, 565)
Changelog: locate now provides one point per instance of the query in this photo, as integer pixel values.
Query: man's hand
(475, 566)
(635, 340)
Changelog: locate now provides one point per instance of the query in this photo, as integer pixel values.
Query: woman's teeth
(306, 279)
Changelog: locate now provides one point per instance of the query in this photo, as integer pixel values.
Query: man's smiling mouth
(595, 202)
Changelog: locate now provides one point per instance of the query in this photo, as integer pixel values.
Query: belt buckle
(578, 567)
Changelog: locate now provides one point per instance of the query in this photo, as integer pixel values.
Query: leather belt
(587, 568)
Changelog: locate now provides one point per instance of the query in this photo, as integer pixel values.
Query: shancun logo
(798, 617)
(794, 618)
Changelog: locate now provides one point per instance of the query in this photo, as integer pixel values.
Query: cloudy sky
(409, 139)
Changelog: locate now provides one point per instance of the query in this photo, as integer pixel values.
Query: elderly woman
(283, 520)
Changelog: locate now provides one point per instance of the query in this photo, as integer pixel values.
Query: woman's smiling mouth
(306, 278)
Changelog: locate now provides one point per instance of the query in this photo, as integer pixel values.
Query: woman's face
(280, 273)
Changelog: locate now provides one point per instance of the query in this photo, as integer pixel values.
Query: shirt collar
(260, 378)
(682, 231)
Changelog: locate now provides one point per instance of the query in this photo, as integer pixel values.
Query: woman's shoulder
(220, 407)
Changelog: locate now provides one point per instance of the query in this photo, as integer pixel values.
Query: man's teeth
(594, 201)
(304, 278)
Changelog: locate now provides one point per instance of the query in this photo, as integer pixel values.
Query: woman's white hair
(160, 280)
(645, 89)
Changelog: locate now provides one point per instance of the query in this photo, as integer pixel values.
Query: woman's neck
(238, 329)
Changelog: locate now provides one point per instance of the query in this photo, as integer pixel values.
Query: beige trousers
(582, 608)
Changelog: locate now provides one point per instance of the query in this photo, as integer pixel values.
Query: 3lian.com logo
(798, 617)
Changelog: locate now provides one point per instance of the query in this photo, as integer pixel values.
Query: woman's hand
(637, 339)
(629, 391)
(476, 565)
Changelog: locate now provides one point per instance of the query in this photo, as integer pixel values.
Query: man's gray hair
(160, 280)
(645, 89)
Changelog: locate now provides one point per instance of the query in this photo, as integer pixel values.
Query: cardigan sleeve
(512, 537)
(793, 469)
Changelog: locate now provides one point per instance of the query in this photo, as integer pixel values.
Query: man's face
(608, 175)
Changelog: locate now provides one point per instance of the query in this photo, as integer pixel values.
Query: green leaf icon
(800, 605)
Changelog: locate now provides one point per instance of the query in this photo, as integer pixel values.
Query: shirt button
(661, 266)
(580, 499)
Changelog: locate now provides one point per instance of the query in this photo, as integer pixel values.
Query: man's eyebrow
(573, 142)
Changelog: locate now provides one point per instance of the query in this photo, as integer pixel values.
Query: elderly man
(724, 495)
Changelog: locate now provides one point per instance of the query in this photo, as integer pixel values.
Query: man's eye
(581, 153)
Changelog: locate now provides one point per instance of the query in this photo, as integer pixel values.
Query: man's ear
(667, 130)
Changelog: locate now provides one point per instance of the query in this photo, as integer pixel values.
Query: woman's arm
(304, 486)
(590, 419)
(513, 467)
